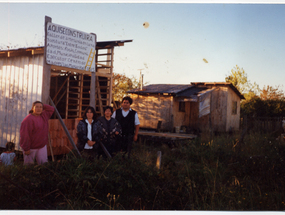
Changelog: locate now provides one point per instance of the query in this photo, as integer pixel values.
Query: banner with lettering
(67, 47)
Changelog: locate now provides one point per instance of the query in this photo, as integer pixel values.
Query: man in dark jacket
(128, 119)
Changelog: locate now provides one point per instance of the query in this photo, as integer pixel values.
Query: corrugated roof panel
(161, 88)
(20, 85)
(191, 91)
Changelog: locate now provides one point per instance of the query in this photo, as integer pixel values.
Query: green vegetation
(263, 108)
(194, 175)
(121, 84)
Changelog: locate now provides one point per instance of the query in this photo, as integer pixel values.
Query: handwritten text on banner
(70, 48)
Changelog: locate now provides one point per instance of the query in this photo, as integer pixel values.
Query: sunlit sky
(180, 35)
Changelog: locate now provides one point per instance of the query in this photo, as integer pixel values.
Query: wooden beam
(93, 83)
(103, 74)
(99, 96)
(103, 65)
(167, 135)
(111, 59)
(21, 52)
(67, 98)
(46, 71)
(60, 89)
(104, 54)
(81, 95)
(70, 70)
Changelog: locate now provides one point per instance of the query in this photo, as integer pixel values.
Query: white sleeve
(137, 122)
(114, 114)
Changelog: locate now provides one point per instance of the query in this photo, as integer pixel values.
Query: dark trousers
(109, 148)
(89, 154)
(126, 144)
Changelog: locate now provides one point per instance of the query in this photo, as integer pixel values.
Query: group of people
(111, 133)
(108, 134)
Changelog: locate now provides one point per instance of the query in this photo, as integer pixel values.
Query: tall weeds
(202, 174)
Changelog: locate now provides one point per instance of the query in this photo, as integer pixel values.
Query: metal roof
(40, 49)
(161, 88)
(108, 44)
(191, 91)
(214, 84)
(183, 90)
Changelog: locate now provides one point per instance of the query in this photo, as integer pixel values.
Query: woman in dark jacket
(108, 131)
(86, 133)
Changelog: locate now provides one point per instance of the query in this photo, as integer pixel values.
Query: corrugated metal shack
(192, 107)
(21, 83)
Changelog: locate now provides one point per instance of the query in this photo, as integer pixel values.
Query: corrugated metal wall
(20, 85)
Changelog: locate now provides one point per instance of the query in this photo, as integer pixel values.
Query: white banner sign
(204, 104)
(70, 48)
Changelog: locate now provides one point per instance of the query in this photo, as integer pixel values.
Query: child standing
(8, 157)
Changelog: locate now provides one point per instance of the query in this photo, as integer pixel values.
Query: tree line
(266, 102)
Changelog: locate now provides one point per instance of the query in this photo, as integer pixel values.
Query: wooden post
(92, 90)
(99, 96)
(93, 82)
(50, 147)
(210, 117)
(158, 160)
(80, 95)
(46, 69)
(67, 96)
(111, 58)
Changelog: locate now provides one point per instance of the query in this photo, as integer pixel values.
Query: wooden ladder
(90, 60)
(85, 95)
(104, 82)
(77, 96)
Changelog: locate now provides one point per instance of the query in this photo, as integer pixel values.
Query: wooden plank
(99, 97)
(167, 135)
(46, 70)
(64, 127)
(102, 74)
(105, 60)
(80, 97)
(97, 54)
(103, 65)
(58, 100)
(59, 88)
(110, 62)
(67, 97)
(93, 84)
(70, 69)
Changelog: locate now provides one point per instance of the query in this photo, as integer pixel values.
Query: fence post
(158, 160)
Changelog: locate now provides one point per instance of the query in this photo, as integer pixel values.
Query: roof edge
(220, 84)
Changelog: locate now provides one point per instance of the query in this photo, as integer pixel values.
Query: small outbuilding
(201, 106)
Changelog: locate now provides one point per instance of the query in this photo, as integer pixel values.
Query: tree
(239, 79)
(121, 84)
(271, 93)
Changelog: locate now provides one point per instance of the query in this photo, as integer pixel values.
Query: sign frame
(70, 48)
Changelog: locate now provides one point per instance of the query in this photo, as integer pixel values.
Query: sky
(184, 43)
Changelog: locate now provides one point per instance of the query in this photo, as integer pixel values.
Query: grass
(202, 174)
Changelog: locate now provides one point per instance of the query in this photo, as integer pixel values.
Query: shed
(23, 80)
(200, 106)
